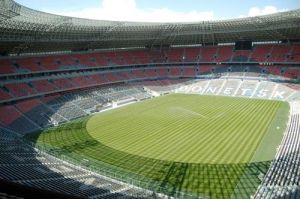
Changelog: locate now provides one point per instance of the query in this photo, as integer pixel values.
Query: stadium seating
(20, 89)
(49, 63)
(241, 56)
(4, 95)
(192, 54)
(205, 69)
(23, 164)
(63, 83)
(28, 64)
(260, 53)
(224, 53)
(174, 55)
(82, 80)
(138, 74)
(275, 70)
(150, 73)
(208, 54)
(141, 57)
(56, 72)
(175, 72)
(30, 115)
(6, 67)
(87, 60)
(112, 77)
(48, 99)
(188, 71)
(27, 105)
(246, 87)
(97, 79)
(294, 55)
(279, 53)
(7, 119)
(162, 72)
(283, 177)
(292, 72)
(43, 86)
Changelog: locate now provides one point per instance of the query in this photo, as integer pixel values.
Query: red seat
(295, 53)
(175, 71)
(224, 53)
(192, 54)
(208, 54)
(162, 72)
(112, 77)
(292, 72)
(43, 86)
(189, 71)
(20, 89)
(279, 53)
(151, 73)
(4, 95)
(49, 63)
(6, 118)
(28, 105)
(6, 67)
(260, 53)
(138, 74)
(241, 54)
(175, 55)
(205, 69)
(63, 83)
(29, 64)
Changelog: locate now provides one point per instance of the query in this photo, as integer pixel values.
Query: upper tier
(282, 53)
(26, 30)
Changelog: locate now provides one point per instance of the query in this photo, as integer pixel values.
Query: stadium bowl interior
(107, 109)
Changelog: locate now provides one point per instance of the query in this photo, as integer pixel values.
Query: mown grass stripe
(190, 143)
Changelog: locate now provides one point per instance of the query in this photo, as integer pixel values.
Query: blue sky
(158, 10)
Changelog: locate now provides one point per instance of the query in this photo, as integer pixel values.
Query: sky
(161, 10)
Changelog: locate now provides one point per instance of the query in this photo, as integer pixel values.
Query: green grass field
(202, 145)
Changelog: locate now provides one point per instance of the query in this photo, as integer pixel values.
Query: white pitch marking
(190, 111)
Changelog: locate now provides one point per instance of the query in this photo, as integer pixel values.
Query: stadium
(114, 109)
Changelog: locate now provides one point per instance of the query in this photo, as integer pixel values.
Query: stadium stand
(260, 53)
(6, 67)
(36, 111)
(294, 54)
(188, 72)
(224, 53)
(7, 119)
(20, 89)
(44, 84)
(4, 95)
(282, 179)
(22, 164)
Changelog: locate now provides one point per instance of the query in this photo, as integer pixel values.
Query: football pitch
(207, 146)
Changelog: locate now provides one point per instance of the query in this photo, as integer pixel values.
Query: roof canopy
(26, 30)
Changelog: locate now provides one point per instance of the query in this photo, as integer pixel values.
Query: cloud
(255, 11)
(127, 10)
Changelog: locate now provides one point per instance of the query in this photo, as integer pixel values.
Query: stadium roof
(24, 30)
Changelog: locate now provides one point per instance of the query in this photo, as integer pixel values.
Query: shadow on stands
(27, 173)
